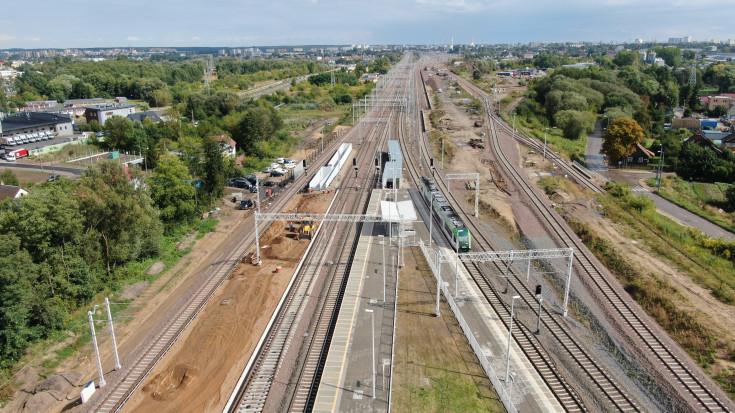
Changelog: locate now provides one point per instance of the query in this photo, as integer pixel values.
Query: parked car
(241, 183)
(280, 160)
(53, 178)
(275, 165)
(252, 179)
(268, 169)
(278, 172)
(269, 183)
(246, 203)
(253, 189)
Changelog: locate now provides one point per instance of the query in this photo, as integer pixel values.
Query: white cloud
(132, 38)
(7, 37)
(196, 38)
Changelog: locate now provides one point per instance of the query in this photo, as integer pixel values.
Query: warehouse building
(34, 122)
(101, 113)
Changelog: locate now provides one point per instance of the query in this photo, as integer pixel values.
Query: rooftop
(32, 119)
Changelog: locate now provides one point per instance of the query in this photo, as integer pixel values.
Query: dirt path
(202, 368)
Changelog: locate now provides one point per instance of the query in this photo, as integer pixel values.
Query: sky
(242, 23)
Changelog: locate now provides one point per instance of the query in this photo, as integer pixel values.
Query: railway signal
(540, 299)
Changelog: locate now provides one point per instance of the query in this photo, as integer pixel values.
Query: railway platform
(530, 392)
(347, 382)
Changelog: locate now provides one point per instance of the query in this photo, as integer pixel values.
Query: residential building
(728, 142)
(141, 116)
(712, 101)
(32, 122)
(11, 191)
(101, 113)
(641, 156)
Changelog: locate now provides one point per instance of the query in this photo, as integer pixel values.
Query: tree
(626, 58)
(256, 124)
(621, 137)
(696, 162)
(118, 131)
(671, 55)
(172, 191)
(575, 124)
(213, 175)
(119, 213)
(8, 177)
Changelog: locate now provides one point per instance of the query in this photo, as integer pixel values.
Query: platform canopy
(402, 211)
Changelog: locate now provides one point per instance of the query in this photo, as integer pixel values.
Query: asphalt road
(596, 162)
(75, 172)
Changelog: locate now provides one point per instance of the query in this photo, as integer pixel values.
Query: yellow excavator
(302, 230)
(307, 228)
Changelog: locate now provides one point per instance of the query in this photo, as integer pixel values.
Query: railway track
(685, 384)
(530, 346)
(269, 365)
(138, 364)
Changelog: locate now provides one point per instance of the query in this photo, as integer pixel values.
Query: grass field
(435, 368)
(703, 199)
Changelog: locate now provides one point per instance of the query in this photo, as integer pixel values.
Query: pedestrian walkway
(639, 188)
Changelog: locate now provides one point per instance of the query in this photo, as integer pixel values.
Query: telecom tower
(693, 75)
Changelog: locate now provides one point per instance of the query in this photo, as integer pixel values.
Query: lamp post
(456, 266)
(382, 240)
(660, 169)
(372, 322)
(510, 391)
(510, 337)
(431, 219)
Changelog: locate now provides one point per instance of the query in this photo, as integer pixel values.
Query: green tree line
(67, 240)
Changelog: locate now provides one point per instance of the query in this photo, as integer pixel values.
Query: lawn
(703, 199)
(435, 368)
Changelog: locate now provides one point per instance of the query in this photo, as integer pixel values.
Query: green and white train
(445, 216)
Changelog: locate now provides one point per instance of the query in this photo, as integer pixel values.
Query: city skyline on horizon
(247, 23)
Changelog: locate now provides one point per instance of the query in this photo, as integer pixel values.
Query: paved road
(595, 162)
(76, 172)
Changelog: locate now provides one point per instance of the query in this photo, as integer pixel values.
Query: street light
(510, 392)
(510, 337)
(382, 240)
(431, 218)
(660, 168)
(372, 322)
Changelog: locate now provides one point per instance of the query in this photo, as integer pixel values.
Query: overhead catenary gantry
(476, 177)
(283, 216)
(510, 256)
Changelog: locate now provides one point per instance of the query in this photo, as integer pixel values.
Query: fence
(432, 257)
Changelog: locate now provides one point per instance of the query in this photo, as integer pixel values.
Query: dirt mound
(156, 268)
(132, 291)
(165, 385)
(283, 248)
(61, 382)
(40, 402)
(187, 242)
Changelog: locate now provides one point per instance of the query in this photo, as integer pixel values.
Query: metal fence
(432, 257)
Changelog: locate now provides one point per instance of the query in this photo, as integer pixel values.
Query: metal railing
(432, 257)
